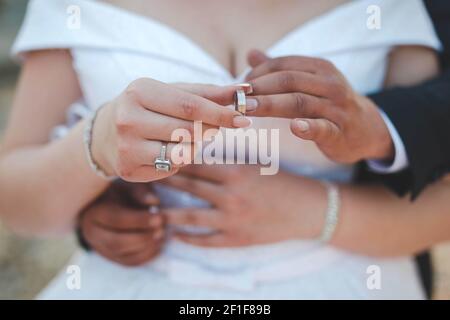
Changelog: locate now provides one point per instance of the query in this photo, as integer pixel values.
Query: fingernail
(252, 104)
(247, 87)
(158, 235)
(303, 125)
(241, 122)
(153, 210)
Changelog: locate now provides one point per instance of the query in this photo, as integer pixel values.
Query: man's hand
(247, 208)
(346, 126)
(119, 226)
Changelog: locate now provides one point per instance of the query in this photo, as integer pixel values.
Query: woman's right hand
(129, 131)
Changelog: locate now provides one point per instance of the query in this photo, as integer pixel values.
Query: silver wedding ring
(240, 101)
(161, 163)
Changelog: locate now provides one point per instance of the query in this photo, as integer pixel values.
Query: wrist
(381, 146)
(99, 140)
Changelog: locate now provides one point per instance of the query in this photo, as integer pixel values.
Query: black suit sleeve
(421, 115)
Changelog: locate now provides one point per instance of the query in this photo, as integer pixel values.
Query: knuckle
(134, 88)
(299, 103)
(287, 80)
(189, 107)
(123, 121)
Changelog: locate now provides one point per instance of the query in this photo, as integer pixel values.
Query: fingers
(200, 188)
(221, 95)
(290, 105)
(208, 218)
(142, 195)
(169, 100)
(119, 243)
(156, 126)
(290, 63)
(119, 218)
(256, 57)
(136, 160)
(139, 257)
(215, 240)
(321, 131)
(213, 173)
(289, 82)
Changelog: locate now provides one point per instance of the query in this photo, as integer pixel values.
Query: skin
(126, 138)
(48, 84)
(119, 227)
(346, 126)
(372, 220)
(42, 213)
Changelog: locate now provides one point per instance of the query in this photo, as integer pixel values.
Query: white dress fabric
(113, 47)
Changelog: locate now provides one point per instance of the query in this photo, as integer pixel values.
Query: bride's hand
(129, 131)
(248, 208)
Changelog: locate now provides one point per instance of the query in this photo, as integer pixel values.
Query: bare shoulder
(410, 65)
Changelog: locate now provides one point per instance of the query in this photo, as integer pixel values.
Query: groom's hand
(324, 108)
(119, 227)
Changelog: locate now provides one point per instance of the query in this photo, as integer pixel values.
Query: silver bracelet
(332, 213)
(87, 141)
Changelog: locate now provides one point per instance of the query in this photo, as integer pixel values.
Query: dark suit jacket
(421, 114)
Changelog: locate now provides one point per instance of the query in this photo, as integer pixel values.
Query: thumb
(321, 131)
(256, 57)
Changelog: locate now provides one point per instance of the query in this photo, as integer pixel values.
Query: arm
(372, 221)
(375, 222)
(346, 126)
(44, 185)
(421, 115)
(34, 193)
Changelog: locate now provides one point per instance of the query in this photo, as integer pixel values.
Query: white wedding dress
(112, 47)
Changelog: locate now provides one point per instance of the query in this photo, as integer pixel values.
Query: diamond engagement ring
(161, 163)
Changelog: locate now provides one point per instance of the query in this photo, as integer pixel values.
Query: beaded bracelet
(87, 141)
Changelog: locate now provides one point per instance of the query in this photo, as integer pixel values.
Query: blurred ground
(27, 265)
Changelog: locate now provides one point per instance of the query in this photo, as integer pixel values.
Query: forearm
(375, 222)
(43, 187)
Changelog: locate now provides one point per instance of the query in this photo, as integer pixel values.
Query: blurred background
(27, 265)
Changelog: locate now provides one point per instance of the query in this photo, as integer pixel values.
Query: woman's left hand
(247, 208)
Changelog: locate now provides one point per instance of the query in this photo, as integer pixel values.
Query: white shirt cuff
(400, 158)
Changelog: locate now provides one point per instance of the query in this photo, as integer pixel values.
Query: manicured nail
(241, 122)
(252, 104)
(247, 87)
(158, 235)
(303, 125)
